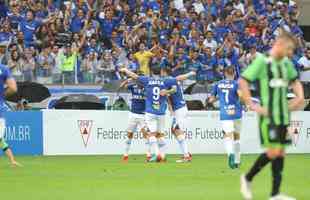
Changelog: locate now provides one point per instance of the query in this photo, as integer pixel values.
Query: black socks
(259, 164)
(277, 168)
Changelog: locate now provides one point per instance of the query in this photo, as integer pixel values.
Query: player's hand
(163, 92)
(259, 109)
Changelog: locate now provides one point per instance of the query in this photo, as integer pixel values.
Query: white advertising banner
(73, 132)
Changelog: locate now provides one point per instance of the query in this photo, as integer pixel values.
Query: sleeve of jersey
(214, 90)
(129, 86)
(169, 83)
(7, 74)
(143, 80)
(292, 74)
(252, 72)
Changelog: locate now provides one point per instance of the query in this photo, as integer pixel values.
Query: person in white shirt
(305, 64)
(210, 41)
(239, 6)
(56, 70)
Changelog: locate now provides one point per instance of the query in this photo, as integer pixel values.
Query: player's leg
(228, 128)
(259, 164)
(178, 129)
(145, 134)
(128, 145)
(277, 164)
(161, 138)
(132, 127)
(151, 122)
(5, 147)
(237, 152)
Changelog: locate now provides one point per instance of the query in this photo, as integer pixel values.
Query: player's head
(229, 72)
(284, 45)
(155, 71)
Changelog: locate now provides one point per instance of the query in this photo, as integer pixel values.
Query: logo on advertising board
(295, 130)
(85, 130)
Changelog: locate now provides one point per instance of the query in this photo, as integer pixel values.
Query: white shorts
(2, 127)
(136, 122)
(231, 126)
(155, 123)
(180, 118)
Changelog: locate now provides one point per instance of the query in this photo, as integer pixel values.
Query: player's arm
(247, 98)
(167, 92)
(211, 99)
(129, 73)
(124, 84)
(11, 87)
(299, 100)
(185, 76)
(170, 106)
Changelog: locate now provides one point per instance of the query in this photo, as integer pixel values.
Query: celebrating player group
(150, 97)
(274, 74)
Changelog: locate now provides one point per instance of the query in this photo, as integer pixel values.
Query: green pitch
(106, 178)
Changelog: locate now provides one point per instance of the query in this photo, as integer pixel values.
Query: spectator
(305, 64)
(15, 66)
(106, 68)
(3, 57)
(210, 41)
(89, 67)
(108, 22)
(68, 64)
(46, 63)
(56, 70)
(143, 57)
(6, 34)
(77, 22)
(132, 63)
(28, 65)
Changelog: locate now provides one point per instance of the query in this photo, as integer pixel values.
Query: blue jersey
(4, 75)
(155, 103)
(230, 106)
(177, 98)
(137, 99)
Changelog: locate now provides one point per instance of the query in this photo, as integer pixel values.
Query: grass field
(106, 178)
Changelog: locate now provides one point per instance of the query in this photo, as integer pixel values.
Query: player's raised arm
(297, 102)
(129, 73)
(167, 92)
(185, 76)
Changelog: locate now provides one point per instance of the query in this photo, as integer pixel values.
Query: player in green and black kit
(273, 73)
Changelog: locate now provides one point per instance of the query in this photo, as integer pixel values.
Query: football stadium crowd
(88, 41)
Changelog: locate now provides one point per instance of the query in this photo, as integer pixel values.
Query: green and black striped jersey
(273, 78)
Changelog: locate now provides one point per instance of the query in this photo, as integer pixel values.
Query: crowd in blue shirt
(201, 35)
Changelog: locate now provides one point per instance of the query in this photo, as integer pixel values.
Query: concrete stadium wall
(304, 19)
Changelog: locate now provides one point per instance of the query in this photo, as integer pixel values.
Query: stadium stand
(86, 42)
(79, 41)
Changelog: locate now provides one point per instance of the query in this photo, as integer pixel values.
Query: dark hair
(155, 70)
(229, 71)
(12, 53)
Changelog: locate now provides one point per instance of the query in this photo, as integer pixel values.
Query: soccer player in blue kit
(155, 108)
(136, 116)
(179, 111)
(227, 91)
(7, 80)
